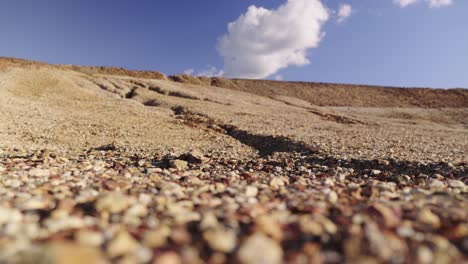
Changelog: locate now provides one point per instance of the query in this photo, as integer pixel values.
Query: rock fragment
(179, 165)
(220, 239)
(258, 248)
(114, 202)
(122, 244)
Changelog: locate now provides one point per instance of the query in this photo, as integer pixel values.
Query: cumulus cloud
(405, 3)
(278, 77)
(431, 3)
(211, 71)
(262, 41)
(344, 12)
(440, 3)
(189, 71)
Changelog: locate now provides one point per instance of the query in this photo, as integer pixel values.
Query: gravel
(286, 207)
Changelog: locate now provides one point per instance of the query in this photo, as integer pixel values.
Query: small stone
(456, 184)
(167, 258)
(427, 217)
(157, 237)
(121, 245)
(387, 216)
(195, 156)
(384, 162)
(8, 215)
(328, 182)
(424, 255)
(269, 226)
(433, 183)
(89, 238)
(376, 172)
(114, 202)
(109, 185)
(209, 220)
(402, 179)
(136, 210)
(2, 169)
(153, 170)
(65, 252)
(179, 165)
(220, 239)
(328, 225)
(39, 172)
(251, 191)
(332, 197)
(385, 186)
(309, 226)
(405, 231)
(36, 203)
(259, 248)
(276, 182)
(144, 254)
(341, 177)
(353, 186)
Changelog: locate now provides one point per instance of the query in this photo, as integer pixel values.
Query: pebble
(114, 202)
(179, 165)
(39, 172)
(220, 239)
(259, 248)
(277, 182)
(427, 217)
(424, 255)
(353, 186)
(122, 244)
(332, 197)
(137, 210)
(433, 183)
(224, 210)
(157, 237)
(167, 258)
(456, 184)
(8, 215)
(89, 238)
(251, 191)
(269, 226)
(195, 156)
(69, 253)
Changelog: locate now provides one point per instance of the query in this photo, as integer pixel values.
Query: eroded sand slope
(107, 165)
(79, 108)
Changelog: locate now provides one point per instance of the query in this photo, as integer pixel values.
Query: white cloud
(439, 3)
(405, 3)
(431, 3)
(262, 41)
(278, 77)
(344, 12)
(189, 71)
(211, 71)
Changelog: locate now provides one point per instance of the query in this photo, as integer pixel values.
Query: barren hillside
(108, 164)
(327, 94)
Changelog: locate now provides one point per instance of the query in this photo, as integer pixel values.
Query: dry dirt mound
(327, 94)
(101, 165)
(83, 107)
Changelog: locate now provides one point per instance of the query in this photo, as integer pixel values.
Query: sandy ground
(136, 167)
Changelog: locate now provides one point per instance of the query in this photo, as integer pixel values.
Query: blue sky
(379, 43)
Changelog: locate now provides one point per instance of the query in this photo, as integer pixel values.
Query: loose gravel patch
(106, 206)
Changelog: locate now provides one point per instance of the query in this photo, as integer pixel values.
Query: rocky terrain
(102, 165)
